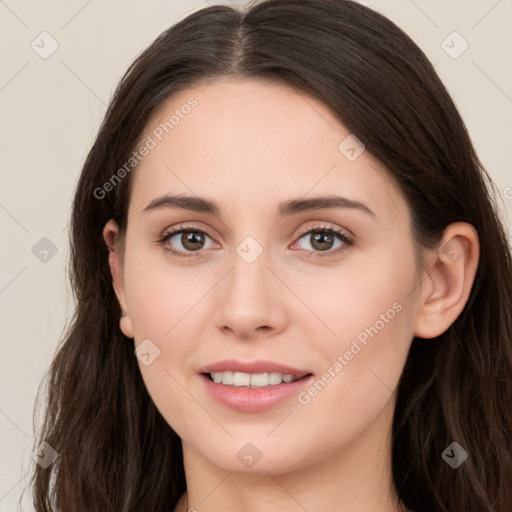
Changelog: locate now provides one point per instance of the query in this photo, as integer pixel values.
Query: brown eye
(323, 239)
(187, 240)
(192, 240)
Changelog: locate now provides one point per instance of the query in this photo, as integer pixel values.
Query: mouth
(236, 390)
(253, 386)
(253, 380)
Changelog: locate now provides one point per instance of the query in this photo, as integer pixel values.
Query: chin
(256, 457)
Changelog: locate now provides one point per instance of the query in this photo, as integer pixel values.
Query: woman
(293, 288)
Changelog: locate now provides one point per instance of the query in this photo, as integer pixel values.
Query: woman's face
(253, 284)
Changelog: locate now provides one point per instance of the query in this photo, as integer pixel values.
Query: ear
(115, 260)
(450, 276)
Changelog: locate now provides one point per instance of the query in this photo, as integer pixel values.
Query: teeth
(253, 380)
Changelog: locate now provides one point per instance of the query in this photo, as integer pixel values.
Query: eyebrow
(286, 208)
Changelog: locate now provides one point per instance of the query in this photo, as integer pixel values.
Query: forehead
(247, 141)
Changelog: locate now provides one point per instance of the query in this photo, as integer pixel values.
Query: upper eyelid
(347, 240)
(303, 231)
(325, 226)
(342, 234)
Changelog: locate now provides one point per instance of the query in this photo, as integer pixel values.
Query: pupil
(191, 238)
(318, 237)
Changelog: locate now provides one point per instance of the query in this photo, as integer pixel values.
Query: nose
(250, 299)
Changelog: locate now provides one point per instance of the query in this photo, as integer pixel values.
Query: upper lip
(260, 366)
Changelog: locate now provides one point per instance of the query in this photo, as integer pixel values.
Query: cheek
(369, 313)
(161, 303)
(361, 369)
(161, 295)
(361, 300)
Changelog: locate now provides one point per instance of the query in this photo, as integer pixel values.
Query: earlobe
(115, 260)
(449, 280)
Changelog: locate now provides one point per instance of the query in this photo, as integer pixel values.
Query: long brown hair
(116, 453)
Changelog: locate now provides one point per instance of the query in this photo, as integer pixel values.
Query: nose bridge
(248, 299)
(250, 266)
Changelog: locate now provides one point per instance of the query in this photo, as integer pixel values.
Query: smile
(252, 380)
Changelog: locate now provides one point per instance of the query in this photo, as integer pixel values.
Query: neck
(356, 477)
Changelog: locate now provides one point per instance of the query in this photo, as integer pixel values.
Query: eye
(193, 240)
(322, 238)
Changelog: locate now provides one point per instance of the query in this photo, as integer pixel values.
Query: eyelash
(347, 241)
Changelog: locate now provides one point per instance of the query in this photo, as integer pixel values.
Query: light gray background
(51, 109)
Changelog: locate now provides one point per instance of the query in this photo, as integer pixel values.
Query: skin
(247, 146)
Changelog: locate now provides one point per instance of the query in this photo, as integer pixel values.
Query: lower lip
(245, 399)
